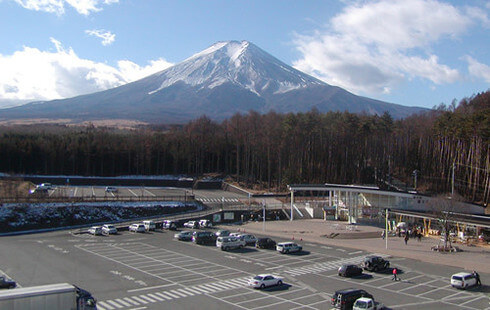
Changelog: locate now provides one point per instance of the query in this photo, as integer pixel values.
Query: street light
(414, 173)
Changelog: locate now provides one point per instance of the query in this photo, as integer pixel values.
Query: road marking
(354, 253)
(119, 300)
(341, 250)
(131, 301)
(103, 306)
(115, 304)
(164, 296)
(326, 247)
(149, 288)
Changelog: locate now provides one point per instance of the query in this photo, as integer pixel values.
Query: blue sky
(410, 52)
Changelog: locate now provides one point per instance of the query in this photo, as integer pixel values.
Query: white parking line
(136, 195)
(354, 253)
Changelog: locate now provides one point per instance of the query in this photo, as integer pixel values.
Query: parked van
(149, 225)
(229, 243)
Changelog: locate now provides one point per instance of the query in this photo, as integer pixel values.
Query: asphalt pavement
(368, 238)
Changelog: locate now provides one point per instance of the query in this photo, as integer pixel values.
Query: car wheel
(279, 283)
(262, 286)
(375, 269)
(287, 251)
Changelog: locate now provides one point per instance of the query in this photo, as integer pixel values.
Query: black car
(374, 263)
(265, 243)
(349, 270)
(204, 237)
(344, 299)
(7, 283)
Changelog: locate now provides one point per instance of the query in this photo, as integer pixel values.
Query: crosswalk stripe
(178, 293)
(219, 286)
(205, 289)
(186, 291)
(201, 289)
(196, 292)
(147, 298)
(163, 295)
(172, 295)
(103, 305)
(144, 302)
(119, 300)
(131, 301)
(155, 297)
(114, 303)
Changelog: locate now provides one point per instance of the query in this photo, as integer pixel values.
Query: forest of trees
(274, 150)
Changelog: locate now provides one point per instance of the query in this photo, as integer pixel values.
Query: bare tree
(444, 209)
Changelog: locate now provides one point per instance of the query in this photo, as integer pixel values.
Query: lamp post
(415, 172)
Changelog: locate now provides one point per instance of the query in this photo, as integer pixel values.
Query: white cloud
(106, 36)
(370, 47)
(84, 7)
(478, 69)
(32, 74)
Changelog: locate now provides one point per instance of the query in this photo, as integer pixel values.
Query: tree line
(272, 150)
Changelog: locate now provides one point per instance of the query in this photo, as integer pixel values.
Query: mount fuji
(226, 78)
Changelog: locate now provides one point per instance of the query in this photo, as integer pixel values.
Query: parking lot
(153, 270)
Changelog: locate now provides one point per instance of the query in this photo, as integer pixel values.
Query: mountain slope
(224, 79)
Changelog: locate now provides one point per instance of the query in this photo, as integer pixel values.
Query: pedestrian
(477, 276)
(406, 239)
(395, 273)
(419, 236)
(383, 234)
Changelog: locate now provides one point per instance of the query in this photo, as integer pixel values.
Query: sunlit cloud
(373, 46)
(32, 74)
(478, 70)
(84, 7)
(107, 37)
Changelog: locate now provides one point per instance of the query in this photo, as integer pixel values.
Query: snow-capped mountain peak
(240, 63)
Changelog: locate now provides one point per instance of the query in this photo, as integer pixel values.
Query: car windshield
(361, 304)
(457, 278)
(258, 278)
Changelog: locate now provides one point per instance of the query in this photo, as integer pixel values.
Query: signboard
(217, 218)
(229, 215)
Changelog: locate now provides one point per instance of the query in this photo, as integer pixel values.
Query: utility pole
(386, 228)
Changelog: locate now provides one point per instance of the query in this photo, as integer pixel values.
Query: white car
(264, 280)
(149, 225)
(249, 239)
(229, 243)
(95, 230)
(184, 235)
(109, 229)
(463, 280)
(288, 247)
(191, 224)
(137, 228)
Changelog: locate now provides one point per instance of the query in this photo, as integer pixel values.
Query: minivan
(228, 243)
(203, 237)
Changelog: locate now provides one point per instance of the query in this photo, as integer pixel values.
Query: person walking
(395, 273)
(406, 239)
(383, 234)
(477, 277)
